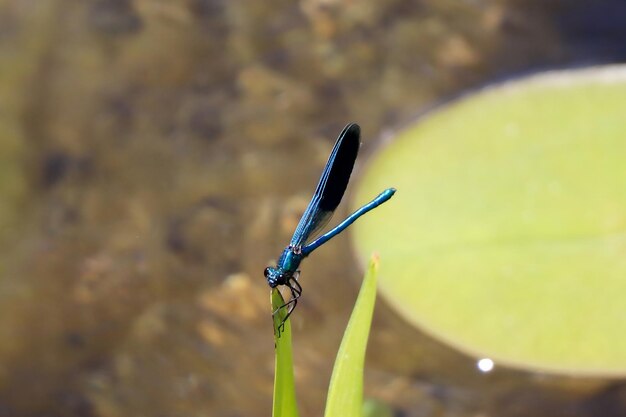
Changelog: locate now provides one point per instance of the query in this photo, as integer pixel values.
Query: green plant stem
(284, 388)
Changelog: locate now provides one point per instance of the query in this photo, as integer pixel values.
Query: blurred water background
(155, 156)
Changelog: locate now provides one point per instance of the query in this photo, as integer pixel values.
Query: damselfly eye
(266, 272)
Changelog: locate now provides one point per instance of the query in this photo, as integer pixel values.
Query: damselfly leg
(296, 291)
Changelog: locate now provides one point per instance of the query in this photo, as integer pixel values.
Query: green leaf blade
(345, 394)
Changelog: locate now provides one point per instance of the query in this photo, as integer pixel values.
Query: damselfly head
(274, 276)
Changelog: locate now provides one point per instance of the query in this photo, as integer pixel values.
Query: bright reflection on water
(485, 365)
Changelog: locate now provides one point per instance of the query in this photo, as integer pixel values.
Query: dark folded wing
(331, 187)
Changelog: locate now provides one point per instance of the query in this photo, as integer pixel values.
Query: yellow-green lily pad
(507, 236)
